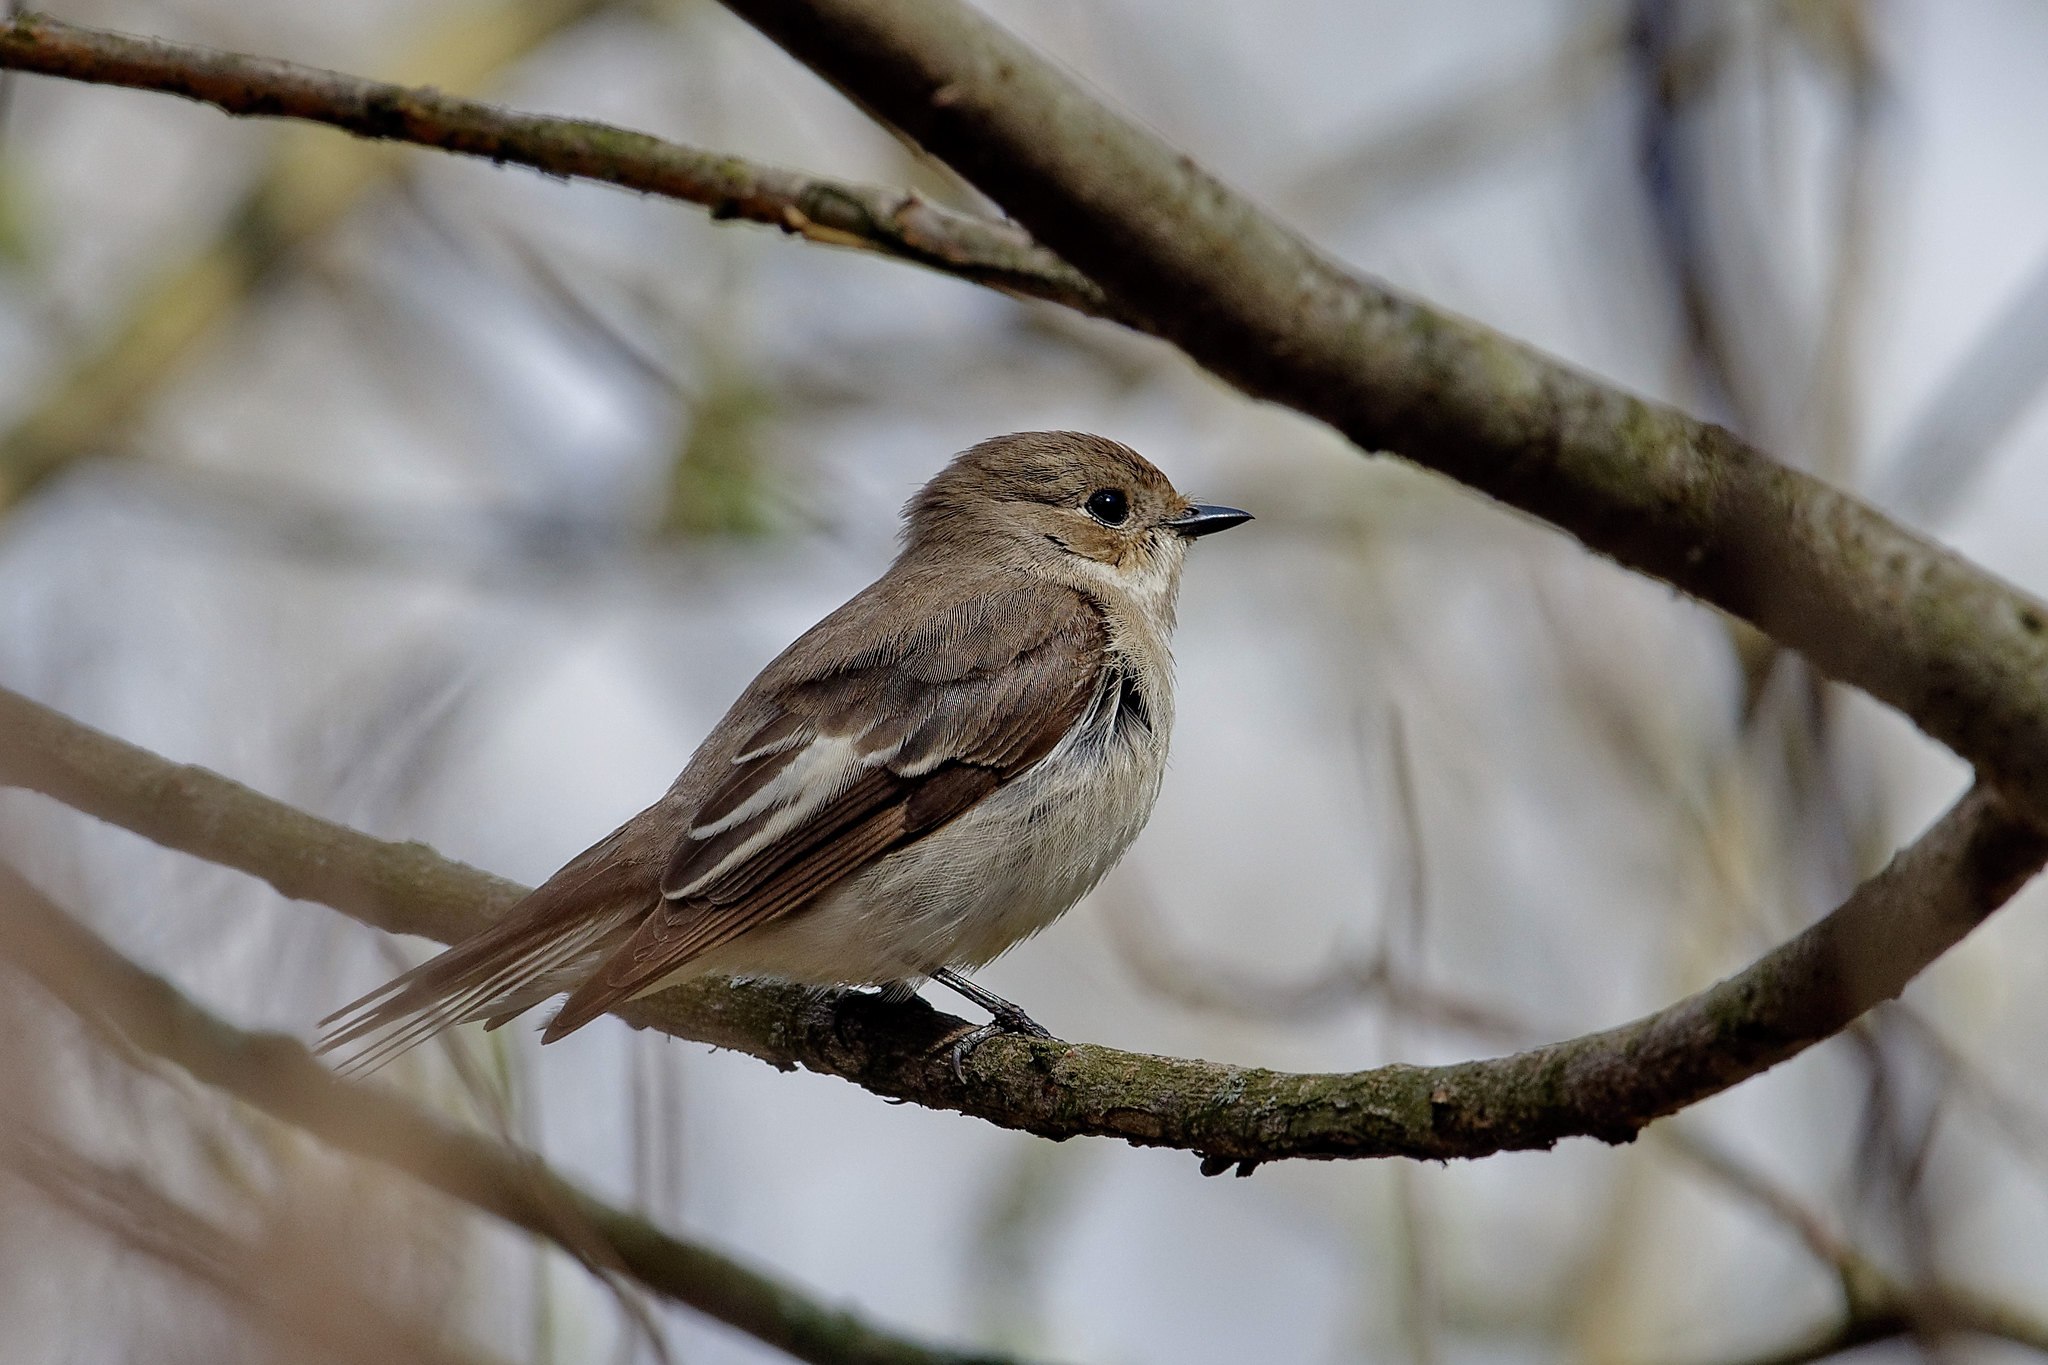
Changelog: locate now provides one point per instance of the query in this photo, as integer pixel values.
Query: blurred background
(456, 503)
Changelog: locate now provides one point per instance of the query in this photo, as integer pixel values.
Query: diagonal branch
(1607, 1085)
(107, 380)
(279, 1076)
(1877, 1305)
(1867, 601)
(892, 222)
(1911, 623)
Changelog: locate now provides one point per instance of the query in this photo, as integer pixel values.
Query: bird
(936, 771)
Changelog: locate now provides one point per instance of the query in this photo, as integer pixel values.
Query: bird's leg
(1012, 1018)
(1007, 1018)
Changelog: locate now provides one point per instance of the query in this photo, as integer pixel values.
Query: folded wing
(845, 757)
(856, 762)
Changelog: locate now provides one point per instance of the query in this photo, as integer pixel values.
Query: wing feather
(919, 734)
(836, 757)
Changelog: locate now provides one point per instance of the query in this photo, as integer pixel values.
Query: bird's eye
(1109, 506)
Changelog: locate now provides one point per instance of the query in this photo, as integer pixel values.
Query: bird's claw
(1011, 1022)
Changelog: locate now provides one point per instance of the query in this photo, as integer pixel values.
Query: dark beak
(1204, 520)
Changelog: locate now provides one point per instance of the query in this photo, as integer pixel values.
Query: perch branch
(1607, 1085)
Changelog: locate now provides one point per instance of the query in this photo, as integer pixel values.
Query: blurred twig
(1675, 68)
(1861, 1280)
(309, 184)
(1389, 166)
(1144, 943)
(1607, 1085)
(1838, 33)
(1976, 405)
(1244, 295)
(1017, 1237)
(1737, 333)
(279, 1076)
(893, 222)
(2021, 1119)
(1403, 929)
(329, 1320)
(1876, 1306)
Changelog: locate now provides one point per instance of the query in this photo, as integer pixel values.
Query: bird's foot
(1011, 1023)
(1008, 1020)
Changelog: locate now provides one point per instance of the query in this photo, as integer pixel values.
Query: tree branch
(1914, 625)
(279, 1076)
(892, 222)
(1607, 1085)
(1929, 1317)
(1867, 601)
(1168, 249)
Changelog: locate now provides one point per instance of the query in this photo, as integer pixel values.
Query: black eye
(1109, 506)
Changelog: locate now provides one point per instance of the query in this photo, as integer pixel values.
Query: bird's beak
(1204, 520)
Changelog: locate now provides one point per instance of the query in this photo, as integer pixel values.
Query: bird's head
(1080, 509)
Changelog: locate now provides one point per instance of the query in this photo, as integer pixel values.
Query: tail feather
(490, 986)
(531, 953)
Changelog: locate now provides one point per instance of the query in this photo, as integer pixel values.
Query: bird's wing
(856, 757)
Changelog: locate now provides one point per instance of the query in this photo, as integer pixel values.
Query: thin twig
(1960, 652)
(1877, 1306)
(893, 222)
(120, 1204)
(96, 394)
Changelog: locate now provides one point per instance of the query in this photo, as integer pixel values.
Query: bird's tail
(537, 949)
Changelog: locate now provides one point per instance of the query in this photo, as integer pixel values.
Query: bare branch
(1959, 651)
(1826, 1342)
(1867, 601)
(1878, 1307)
(108, 381)
(893, 222)
(1975, 407)
(279, 1076)
(1607, 1085)
(1928, 1317)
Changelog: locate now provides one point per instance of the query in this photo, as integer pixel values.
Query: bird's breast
(997, 874)
(1021, 858)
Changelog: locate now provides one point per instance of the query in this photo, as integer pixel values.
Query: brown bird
(934, 772)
